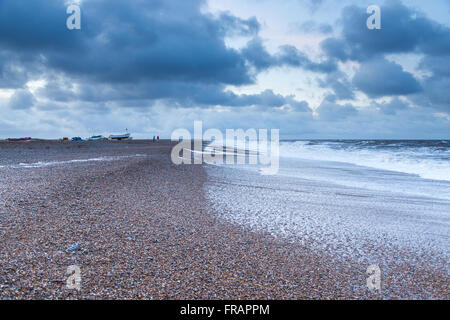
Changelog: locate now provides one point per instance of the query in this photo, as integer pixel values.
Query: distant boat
(120, 137)
(19, 139)
(97, 138)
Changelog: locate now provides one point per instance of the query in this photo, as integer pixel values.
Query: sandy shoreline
(146, 231)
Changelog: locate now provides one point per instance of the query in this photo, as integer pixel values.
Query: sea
(352, 198)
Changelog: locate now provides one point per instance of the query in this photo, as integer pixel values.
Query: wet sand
(145, 230)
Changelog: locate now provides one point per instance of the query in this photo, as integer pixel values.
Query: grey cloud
(21, 99)
(438, 65)
(269, 99)
(143, 50)
(336, 48)
(331, 111)
(311, 26)
(257, 55)
(402, 30)
(128, 41)
(288, 55)
(393, 107)
(379, 77)
(436, 94)
(232, 25)
(179, 93)
(339, 83)
(16, 68)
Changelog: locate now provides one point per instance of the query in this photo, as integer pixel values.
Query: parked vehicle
(77, 139)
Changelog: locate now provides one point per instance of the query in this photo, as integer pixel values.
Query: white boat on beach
(97, 138)
(120, 137)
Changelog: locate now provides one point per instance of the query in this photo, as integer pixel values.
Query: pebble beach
(140, 227)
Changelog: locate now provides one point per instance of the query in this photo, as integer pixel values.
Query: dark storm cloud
(17, 68)
(158, 49)
(33, 25)
(124, 41)
(379, 77)
(288, 55)
(403, 30)
(158, 40)
(10, 76)
(180, 93)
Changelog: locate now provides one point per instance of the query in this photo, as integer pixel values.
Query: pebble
(74, 248)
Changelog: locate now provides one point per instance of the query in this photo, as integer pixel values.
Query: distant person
(154, 138)
(158, 138)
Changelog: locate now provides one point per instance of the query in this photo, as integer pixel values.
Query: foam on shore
(42, 164)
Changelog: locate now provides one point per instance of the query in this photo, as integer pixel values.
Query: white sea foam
(41, 164)
(334, 193)
(425, 162)
(334, 217)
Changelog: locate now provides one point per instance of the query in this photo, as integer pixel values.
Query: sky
(310, 68)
